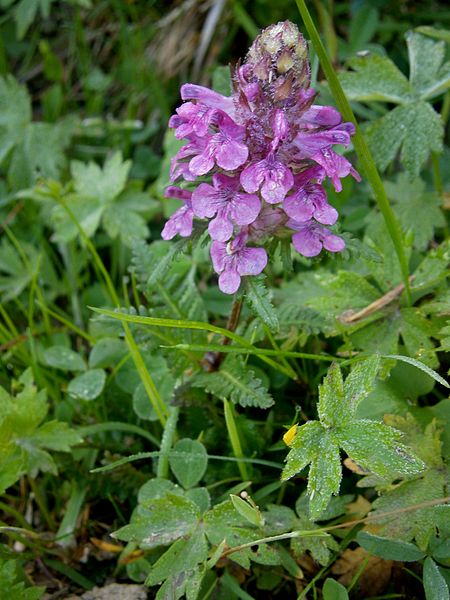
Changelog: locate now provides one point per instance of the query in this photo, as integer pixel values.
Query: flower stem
(360, 144)
(213, 360)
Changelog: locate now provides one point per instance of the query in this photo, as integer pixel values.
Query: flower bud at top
(278, 61)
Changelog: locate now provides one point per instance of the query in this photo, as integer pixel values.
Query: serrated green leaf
(303, 448)
(418, 525)
(428, 75)
(88, 385)
(389, 549)
(419, 211)
(360, 382)
(416, 128)
(15, 113)
(161, 522)
(123, 223)
(60, 357)
(103, 184)
(320, 547)
(333, 590)
(188, 462)
(376, 447)
(11, 584)
(88, 213)
(439, 34)
(434, 583)
(259, 298)
(183, 556)
(23, 437)
(237, 382)
(332, 407)
(325, 475)
(375, 77)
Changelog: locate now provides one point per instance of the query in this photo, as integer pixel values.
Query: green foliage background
(121, 456)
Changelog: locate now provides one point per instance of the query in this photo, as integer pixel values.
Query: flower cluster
(266, 152)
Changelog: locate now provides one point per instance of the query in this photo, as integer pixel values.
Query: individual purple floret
(266, 151)
(225, 201)
(234, 259)
(182, 220)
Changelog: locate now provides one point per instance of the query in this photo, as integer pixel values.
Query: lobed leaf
(376, 447)
(333, 408)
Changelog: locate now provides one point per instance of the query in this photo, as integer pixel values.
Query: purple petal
(220, 228)
(219, 256)
(179, 223)
(324, 116)
(251, 261)
(307, 242)
(201, 164)
(229, 281)
(298, 207)
(252, 177)
(335, 165)
(231, 154)
(172, 191)
(278, 181)
(204, 201)
(190, 91)
(245, 208)
(332, 242)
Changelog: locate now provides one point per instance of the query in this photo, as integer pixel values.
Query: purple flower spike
(266, 151)
(311, 237)
(233, 260)
(224, 201)
(181, 220)
(271, 175)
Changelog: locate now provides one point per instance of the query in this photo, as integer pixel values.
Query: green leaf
(325, 475)
(15, 113)
(65, 359)
(122, 222)
(102, 184)
(434, 583)
(376, 447)
(416, 128)
(161, 522)
(375, 77)
(88, 213)
(360, 382)
(183, 556)
(259, 298)
(237, 382)
(333, 409)
(333, 590)
(188, 461)
(419, 365)
(389, 549)
(88, 385)
(247, 511)
(419, 211)
(320, 547)
(23, 436)
(304, 448)
(11, 584)
(418, 525)
(428, 76)
(107, 352)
